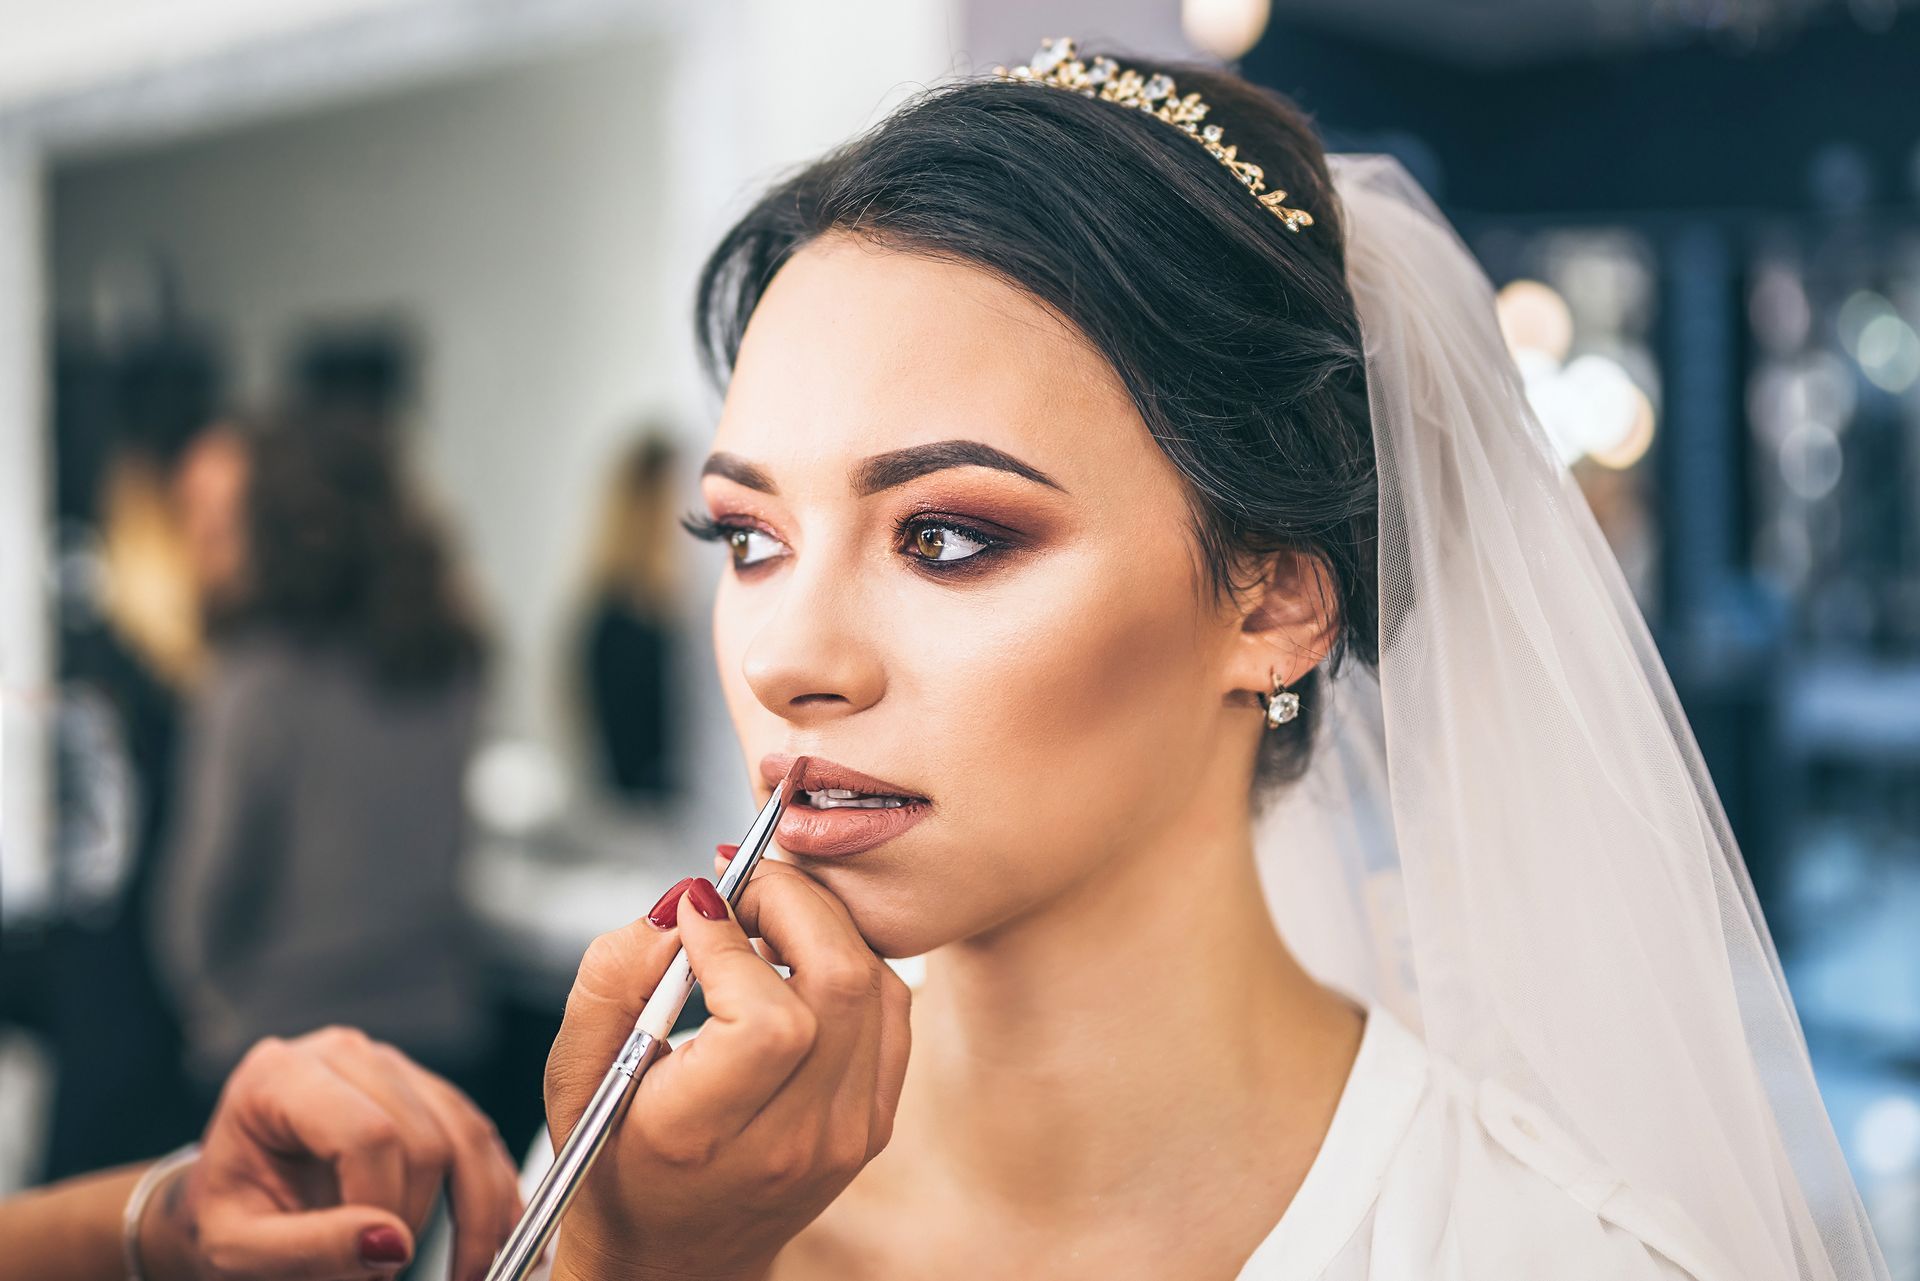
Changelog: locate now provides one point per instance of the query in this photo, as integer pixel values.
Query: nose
(815, 657)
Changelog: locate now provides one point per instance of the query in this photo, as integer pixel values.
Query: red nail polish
(726, 851)
(666, 913)
(381, 1245)
(706, 899)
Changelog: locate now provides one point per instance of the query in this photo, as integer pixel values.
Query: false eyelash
(709, 530)
(705, 528)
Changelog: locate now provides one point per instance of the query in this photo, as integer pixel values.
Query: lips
(805, 830)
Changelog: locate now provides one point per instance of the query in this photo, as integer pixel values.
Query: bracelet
(137, 1200)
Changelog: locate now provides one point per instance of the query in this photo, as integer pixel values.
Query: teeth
(839, 798)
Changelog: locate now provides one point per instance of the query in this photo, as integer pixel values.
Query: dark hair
(1236, 338)
(340, 551)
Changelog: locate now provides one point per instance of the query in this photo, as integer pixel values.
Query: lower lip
(831, 833)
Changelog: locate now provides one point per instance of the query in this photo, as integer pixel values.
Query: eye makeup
(737, 535)
(937, 543)
(931, 536)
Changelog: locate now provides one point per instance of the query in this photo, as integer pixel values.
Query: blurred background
(388, 300)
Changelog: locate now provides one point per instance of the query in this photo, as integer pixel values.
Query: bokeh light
(1534, 317)
(1224, 28)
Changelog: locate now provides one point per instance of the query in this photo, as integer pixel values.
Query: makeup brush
(528, 1242)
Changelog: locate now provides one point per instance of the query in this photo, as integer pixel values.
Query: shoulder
(243, 693)
(1488, 1182)
(255, 664)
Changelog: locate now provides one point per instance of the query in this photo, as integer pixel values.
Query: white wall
(52, 46)
(25, 645)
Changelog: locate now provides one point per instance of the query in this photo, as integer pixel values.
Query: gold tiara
(1058, 64)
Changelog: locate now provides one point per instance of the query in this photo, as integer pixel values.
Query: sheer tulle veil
(1507, 836)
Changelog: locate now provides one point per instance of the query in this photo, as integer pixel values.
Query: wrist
(159, 1233)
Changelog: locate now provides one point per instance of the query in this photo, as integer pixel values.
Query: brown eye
(946, 544)
(741, 546)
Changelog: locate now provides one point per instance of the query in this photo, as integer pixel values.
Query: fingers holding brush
(757, 1031)
(617, 974)
(750, 1128)
(884, 1047)
(859, 1058)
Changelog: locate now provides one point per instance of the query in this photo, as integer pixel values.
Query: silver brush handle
(523, 1250)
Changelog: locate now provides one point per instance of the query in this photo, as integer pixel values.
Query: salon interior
(475, 224)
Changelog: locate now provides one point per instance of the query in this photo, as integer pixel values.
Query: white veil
(1508, 838)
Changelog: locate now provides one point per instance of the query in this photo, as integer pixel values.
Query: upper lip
(821, 774)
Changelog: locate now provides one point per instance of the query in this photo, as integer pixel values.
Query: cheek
(1047, 676)
(1056, 707)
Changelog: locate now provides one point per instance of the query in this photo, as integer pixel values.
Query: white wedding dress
(1425, 1175)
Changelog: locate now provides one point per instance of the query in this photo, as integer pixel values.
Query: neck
(1144, 1033)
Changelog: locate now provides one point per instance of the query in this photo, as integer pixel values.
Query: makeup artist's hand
(322, 1161)
(737, 1139)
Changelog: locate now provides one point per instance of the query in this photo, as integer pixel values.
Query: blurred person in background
(319, 823)
(625, 641)
(80, 980)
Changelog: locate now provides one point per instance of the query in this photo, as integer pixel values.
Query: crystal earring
(1282, 705)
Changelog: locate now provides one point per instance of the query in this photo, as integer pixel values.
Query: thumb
(722, 857)
(336, 1244)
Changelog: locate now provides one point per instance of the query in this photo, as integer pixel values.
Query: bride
(1314, 872)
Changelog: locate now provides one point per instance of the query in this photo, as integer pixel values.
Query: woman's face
(1025, 646)
(211, 492)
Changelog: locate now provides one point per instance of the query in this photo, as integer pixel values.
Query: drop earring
(1282, 705)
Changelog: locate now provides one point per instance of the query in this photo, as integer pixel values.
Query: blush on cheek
(1112, 698)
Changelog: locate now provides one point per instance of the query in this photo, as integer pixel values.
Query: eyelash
(711, 530)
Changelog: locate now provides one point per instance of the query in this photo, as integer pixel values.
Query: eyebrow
(739, 470)
(896, 467)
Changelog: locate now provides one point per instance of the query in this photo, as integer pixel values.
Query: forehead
(859, 347)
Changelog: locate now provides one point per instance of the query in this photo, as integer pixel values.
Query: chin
(895, 922)
(896, 934)
(897, 947)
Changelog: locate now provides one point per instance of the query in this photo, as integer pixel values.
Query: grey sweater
(311, 875)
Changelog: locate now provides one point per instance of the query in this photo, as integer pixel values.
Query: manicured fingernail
(706, 899)
(726, 851)
(381, 1245)
(666, 912)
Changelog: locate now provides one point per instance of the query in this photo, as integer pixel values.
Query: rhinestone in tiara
(1057, 63)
